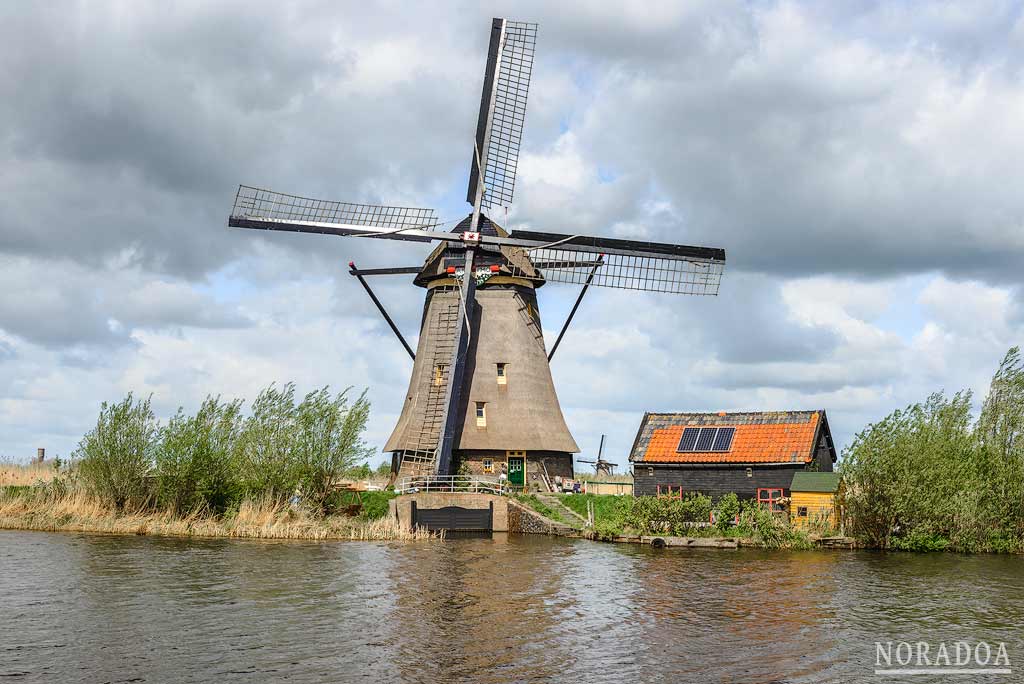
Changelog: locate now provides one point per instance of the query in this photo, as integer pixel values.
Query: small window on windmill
(481, 414)
(488, 465)
(502, 373)
(439, 370)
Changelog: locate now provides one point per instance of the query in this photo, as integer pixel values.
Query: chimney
(40, 454)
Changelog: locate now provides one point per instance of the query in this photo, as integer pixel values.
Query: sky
(859, 162)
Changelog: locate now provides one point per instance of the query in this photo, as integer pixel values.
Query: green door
(517, 469)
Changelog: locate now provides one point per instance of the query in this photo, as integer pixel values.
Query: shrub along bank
(686, 517)
(218, 457)
(217, 472)
(931, 477)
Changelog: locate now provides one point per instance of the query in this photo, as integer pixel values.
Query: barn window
(488, 465)
(650, 472)
(670, 491)
(770, 498)
(802, 511)
(481, 414)
(502, 375)
(750, 472)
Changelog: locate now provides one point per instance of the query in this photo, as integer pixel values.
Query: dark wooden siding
(712, 480)
(824, 458)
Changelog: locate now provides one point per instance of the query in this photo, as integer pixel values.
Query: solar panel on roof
(706, 439)
(688, 440)
(723, 440)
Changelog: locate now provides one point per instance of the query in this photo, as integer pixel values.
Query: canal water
(82, 608)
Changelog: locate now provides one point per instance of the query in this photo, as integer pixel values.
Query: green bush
(726, 510)
(116, 457)
(329, 433)
(929, 478)
(215, 458)
(657, 515)
(606, 530)
(268, 453)
(374, 504)
(768, 529)
(195, 458)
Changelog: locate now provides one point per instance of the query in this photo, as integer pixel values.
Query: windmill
(481, 393)
(601, 466)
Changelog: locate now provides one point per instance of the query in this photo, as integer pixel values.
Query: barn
(753, 454)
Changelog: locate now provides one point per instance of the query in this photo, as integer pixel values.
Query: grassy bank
(616, 516)
(81, 512)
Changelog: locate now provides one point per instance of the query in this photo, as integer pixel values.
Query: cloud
(856, 162)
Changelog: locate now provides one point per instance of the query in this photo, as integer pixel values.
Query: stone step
(552, 501)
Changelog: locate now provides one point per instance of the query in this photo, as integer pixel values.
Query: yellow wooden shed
(813, 500)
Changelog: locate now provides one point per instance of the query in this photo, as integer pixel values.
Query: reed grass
(21, 474)
(78, 511)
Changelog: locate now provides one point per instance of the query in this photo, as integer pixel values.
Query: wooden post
(40, 454)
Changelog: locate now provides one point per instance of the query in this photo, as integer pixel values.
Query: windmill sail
(499, 131)
(625, 265)
(269, 210)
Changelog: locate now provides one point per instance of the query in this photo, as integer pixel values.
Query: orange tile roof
(782, 437)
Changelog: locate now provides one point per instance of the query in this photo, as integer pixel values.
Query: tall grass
(25, 475)
(80, 511)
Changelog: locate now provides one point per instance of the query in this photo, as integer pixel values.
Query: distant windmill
(601, 466)
(481, 392)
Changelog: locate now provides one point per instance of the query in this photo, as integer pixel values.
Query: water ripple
(507, 609)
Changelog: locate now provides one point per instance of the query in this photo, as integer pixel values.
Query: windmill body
(481, 395)
(508, 405)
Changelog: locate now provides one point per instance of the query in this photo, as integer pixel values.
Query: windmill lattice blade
(692, 276)
(500, 131)
(258, 208)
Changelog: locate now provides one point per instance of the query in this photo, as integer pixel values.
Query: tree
(116, 457)
(1001, 436)
(268, 448)
(329, 433)
(194, 457)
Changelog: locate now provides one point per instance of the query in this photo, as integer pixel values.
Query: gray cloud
(866, 140)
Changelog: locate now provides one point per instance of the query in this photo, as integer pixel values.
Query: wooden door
(516, 468)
